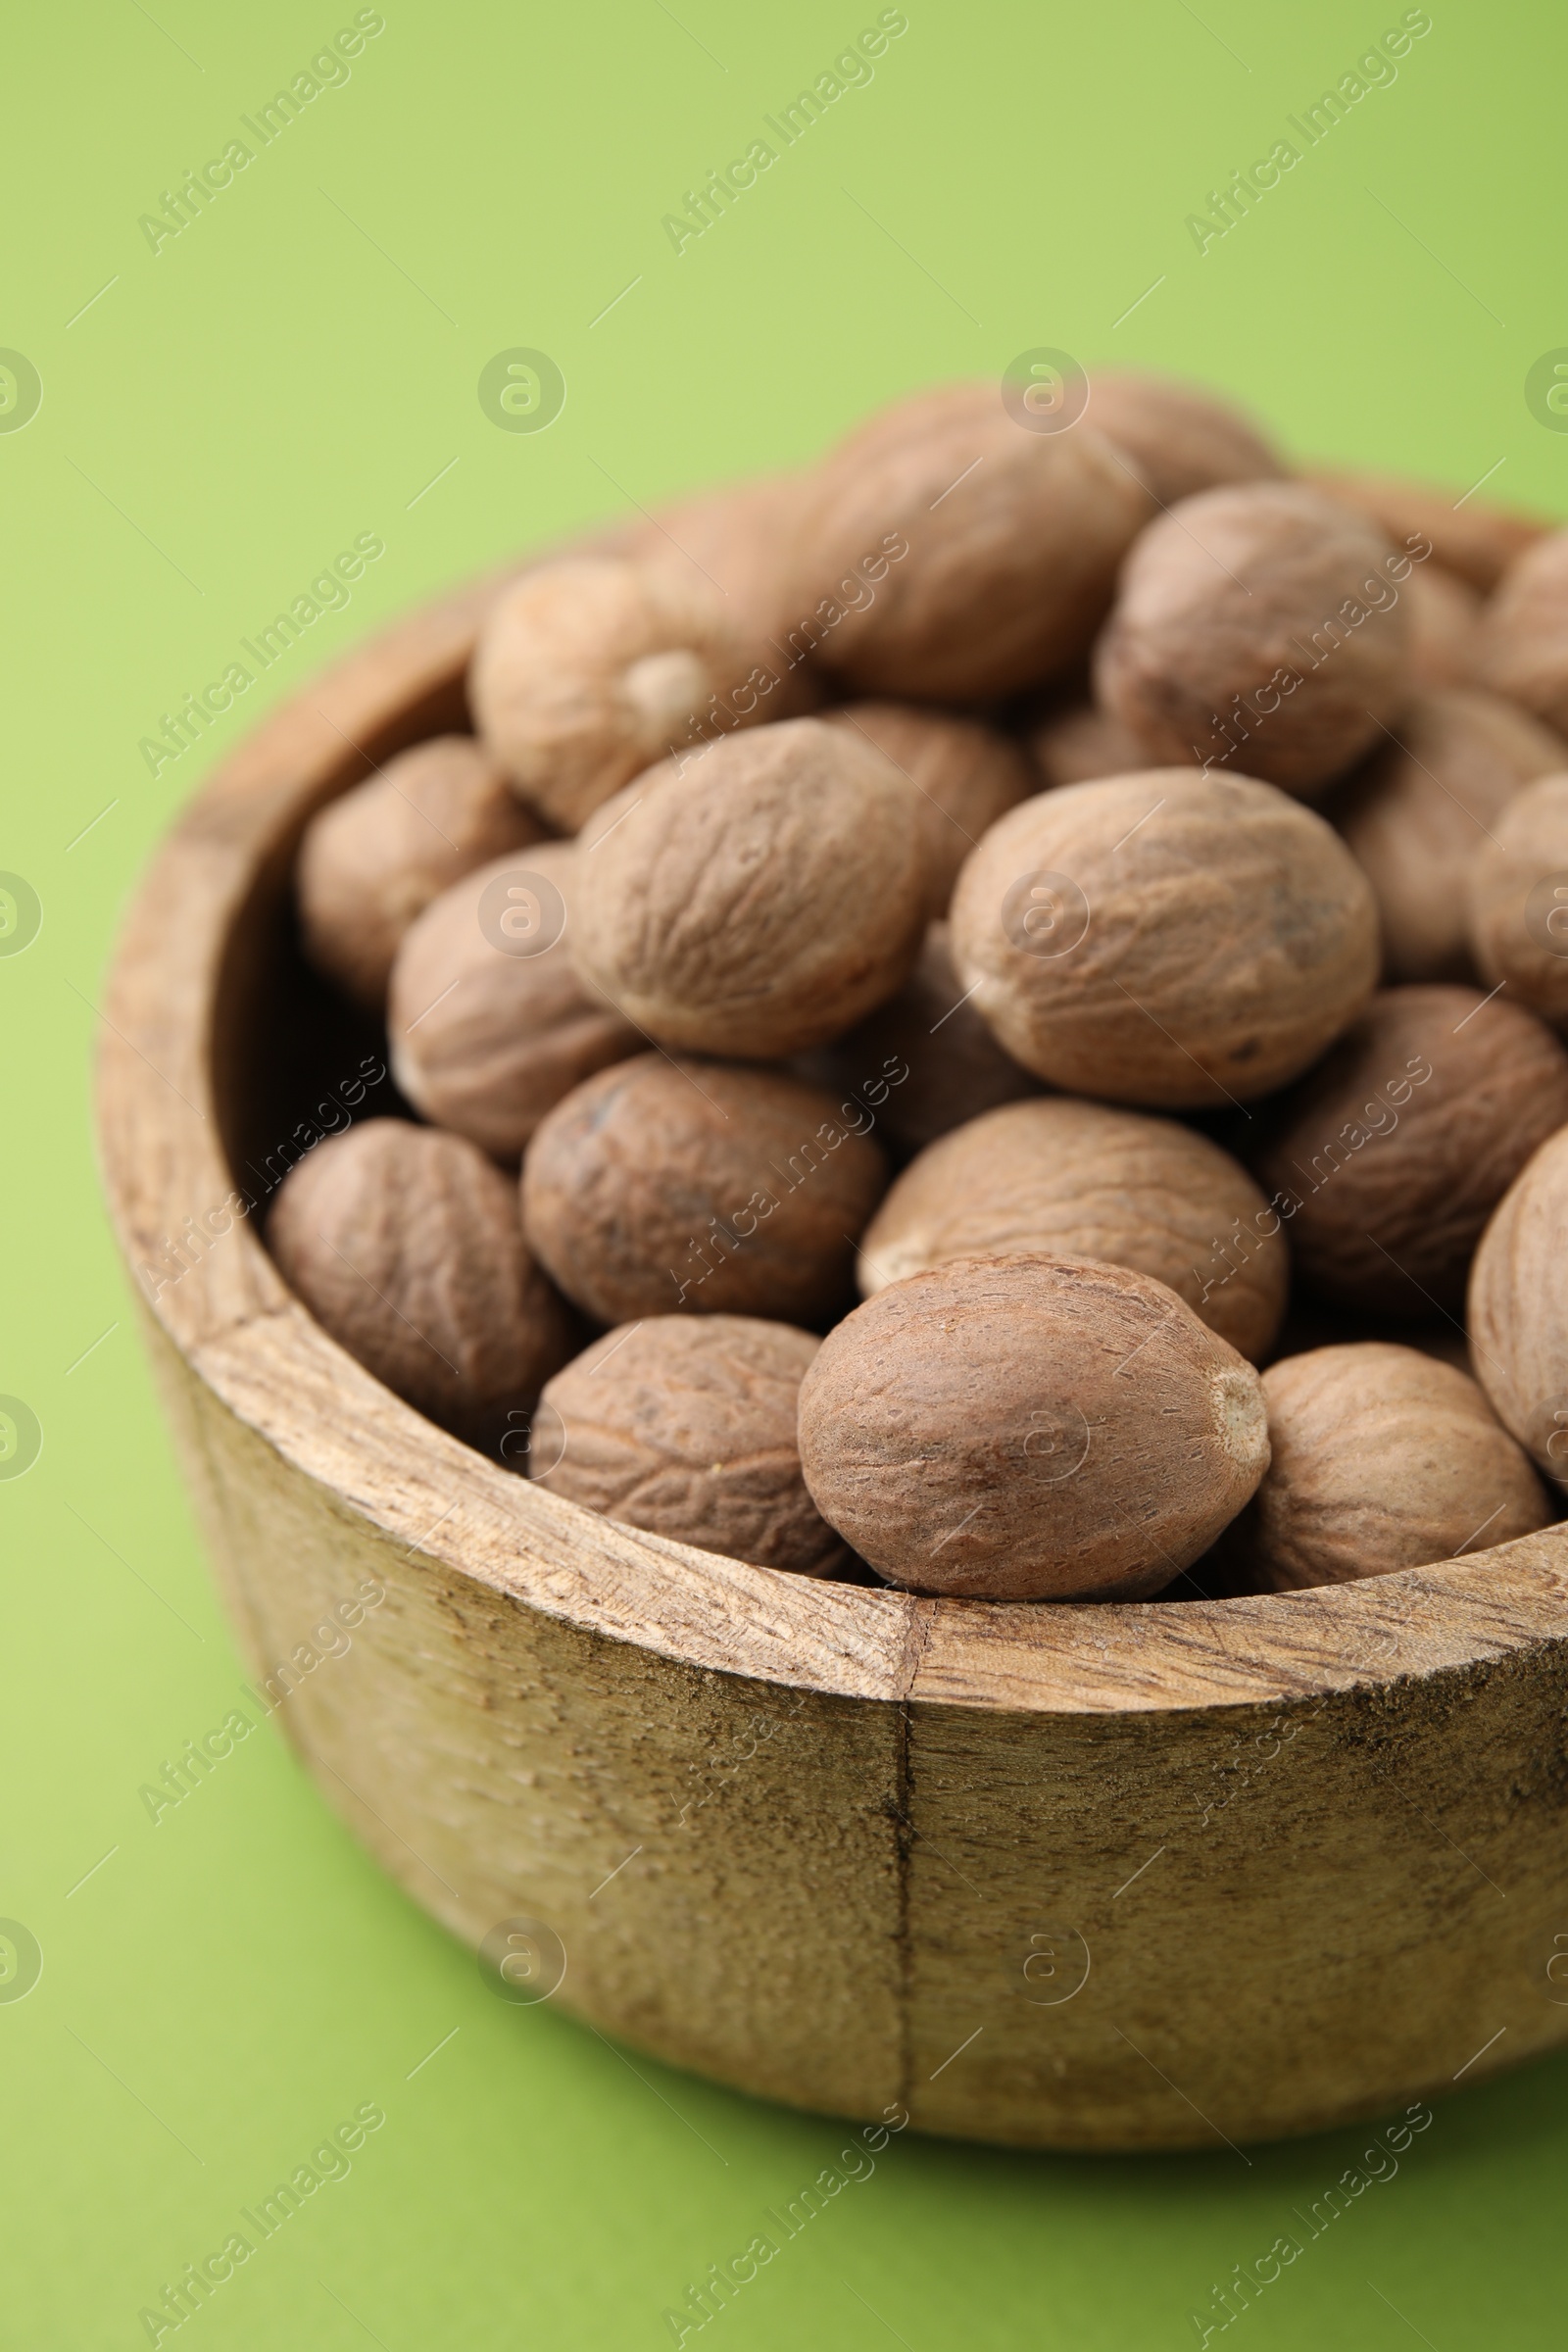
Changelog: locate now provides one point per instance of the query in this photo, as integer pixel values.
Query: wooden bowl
(1128, 1876)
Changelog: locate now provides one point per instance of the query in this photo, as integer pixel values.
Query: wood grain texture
(835, 1845)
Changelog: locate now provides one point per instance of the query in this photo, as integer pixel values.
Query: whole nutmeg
(373, 860)
(1077, 742)
(1477, 541)
(1259, 626)
(1445, 626)
(926, 1062)
(684, 1425)
(762, 901)
(951, 554)
(1423, 808)
(488, 1022)
(590, 669)
(404, 1246)
(1168, 938)
(1518, 1309)
(1395, 1152)
(1524, 637)
(666, 1184)
(1030, 1429)
(1518, 899)
(1066, 1178)
(738, 540)
(966, 775)
(1383, 1458)
(1181, 439)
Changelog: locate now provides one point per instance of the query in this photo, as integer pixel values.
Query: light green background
(294, 370)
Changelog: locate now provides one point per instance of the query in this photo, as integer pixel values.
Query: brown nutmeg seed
(1524, 639)
(964, 775)
(951, 554)
(373, 862)
(666, 1184)
(1030, 1429)
(684, 1425)
(1476, 540)
(924, 1061)
(1518, 1309)
(760, 901)
(1260, 627)
(1387, 1160)
(590, 669)
(1167, 938)
(1181, 438)
(405, 1245)
(1061, 1177)
(488, 1021)
(1421, 813)
(1383, 1458)
(1518, 899)
(1075, 742)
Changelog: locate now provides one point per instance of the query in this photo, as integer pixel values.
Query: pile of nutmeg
(1097, 894)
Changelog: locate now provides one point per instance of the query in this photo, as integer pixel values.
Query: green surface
(300, 365)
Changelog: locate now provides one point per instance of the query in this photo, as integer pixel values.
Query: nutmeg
(684, 1425)
(1181, 438)
(488, 1021)
(1260, 626)
(926, 1062)
(404, 1246)
(1445, 626)
(1383, 1458)
(1168, 938)
(1030, 1428)
(1387, 1160)
(1524, 638)
(737, 540)
(1423, 808)
(965, 774)
(372, 861)
(762, 901)
(1467, 536)
(1066, 1178)
(1518, 899)
(1518, 1309)
(1075, 742)
(665, 1184)
(950, 553)
(590, 669)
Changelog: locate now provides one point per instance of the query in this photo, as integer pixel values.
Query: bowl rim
(161, 1083)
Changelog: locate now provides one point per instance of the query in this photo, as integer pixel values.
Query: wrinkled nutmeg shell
(662, 1185)
(590, 669)
(373, 862)
(684, 1425)
(1383, 1458)
(926, 1062)
(1066, 1178)
(1396, 1150)
(485, 1039)
(1518, 899)
(760, 901)
(1418, 816)
(1167, 938)
(1518, 1310)
(951, 555)
(964, 775)
(1030, 1429)
(404, 1246)
(1260, 627)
